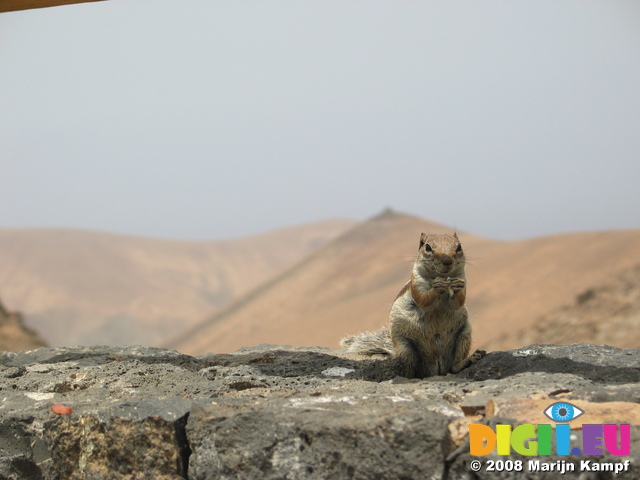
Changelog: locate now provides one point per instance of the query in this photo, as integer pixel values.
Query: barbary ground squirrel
(429, 330)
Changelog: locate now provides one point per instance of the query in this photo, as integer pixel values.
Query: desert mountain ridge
(83, 287)
(348, 285)
(309, 284)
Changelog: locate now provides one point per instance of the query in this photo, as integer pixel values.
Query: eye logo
(563, 412)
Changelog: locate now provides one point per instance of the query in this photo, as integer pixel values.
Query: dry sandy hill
(79, 287)
(348, 285)
(517, 284)
(14, 335)
(608, 313)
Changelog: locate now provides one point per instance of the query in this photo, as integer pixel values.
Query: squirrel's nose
(447, 261)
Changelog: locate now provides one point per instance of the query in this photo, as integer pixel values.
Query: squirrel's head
(441, 254)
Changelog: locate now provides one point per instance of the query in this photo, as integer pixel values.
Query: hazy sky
(217, 119)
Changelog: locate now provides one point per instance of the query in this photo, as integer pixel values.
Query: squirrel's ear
(455, 235)
(423, 240)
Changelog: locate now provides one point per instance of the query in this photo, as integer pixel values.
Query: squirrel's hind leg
(412, 359)
(461, 348)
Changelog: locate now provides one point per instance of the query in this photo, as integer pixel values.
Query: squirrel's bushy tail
(369, 343)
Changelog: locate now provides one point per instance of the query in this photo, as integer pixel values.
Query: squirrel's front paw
(440, 285)
(456, 284)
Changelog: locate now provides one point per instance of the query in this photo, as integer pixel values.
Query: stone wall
(271, 412)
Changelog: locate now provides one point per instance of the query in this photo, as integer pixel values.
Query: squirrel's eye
(459, 249)
(427, 248)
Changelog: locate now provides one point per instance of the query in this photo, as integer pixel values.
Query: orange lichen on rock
(60, 409)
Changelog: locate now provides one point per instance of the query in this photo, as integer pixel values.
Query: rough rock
(277, 412)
